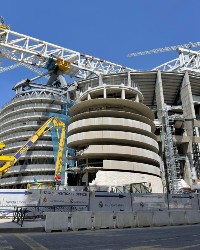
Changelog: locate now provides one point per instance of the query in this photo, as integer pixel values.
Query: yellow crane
(2, 145)
(49, 124)
(5, 157)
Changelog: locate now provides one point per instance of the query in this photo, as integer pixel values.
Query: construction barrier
(193, 216)
(161, 218)
(178, 217)
(125, 219)
(81, 220)
(103, 220)
(144, 218)
(97, 220)
(56, 221)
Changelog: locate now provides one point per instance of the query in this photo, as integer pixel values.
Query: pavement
(8, 226)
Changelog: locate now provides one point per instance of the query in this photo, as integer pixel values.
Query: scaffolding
(196, 153)
(172, 162)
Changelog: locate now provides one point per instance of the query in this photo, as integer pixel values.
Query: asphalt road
(181, 237)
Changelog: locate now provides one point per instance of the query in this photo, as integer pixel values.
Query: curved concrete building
(20, 118)
(112, 129)
(113, 134)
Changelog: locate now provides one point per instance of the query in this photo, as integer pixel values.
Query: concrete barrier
(144, 218)
(177, 217)
(125, 219)
(81, 220)
(192, 216)
(103, 220)
(56, 221)
(161, 218)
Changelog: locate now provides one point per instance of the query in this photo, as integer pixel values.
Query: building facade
(19, 120)
(174, 100)
(133, 127)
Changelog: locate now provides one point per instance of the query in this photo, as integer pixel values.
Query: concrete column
(129, 79)
(186, 98)
(160, 107)
(104, 93)
(88, 96)
(77, 95)
(123, 96)
(85, 178)
(137, 98)
(189, 117)
(100, 80)
(159, 96)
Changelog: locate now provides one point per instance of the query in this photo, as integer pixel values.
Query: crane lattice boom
(160, 50)
(32, 51)
(188, 60)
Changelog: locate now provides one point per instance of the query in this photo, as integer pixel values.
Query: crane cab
(3, 25)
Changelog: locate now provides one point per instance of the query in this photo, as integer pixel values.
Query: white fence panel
(79, 200)
(149, 202)
(104, 201)
(183, 201)
(9, 198)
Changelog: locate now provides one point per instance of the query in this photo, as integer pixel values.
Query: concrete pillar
(100, 80)
(77, 95)
(137, 98)
(189, 117)
(160, 107)
(129, 78)
(123, 94)
(186, 98)
(104, 92)
(159, 96)
(85, 178)
(88, 96)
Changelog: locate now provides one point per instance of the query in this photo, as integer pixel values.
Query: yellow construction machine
(2, 145)
(49, 124)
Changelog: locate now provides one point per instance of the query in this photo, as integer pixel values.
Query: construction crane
(188, 60)
(165, 49)
(5, 157)
(31, 51)
(49, 124)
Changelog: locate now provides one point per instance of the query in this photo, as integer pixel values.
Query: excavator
(52, 122)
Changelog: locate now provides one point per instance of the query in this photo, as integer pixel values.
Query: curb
(22, 230)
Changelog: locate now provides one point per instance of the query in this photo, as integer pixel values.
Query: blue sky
(107, 29)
